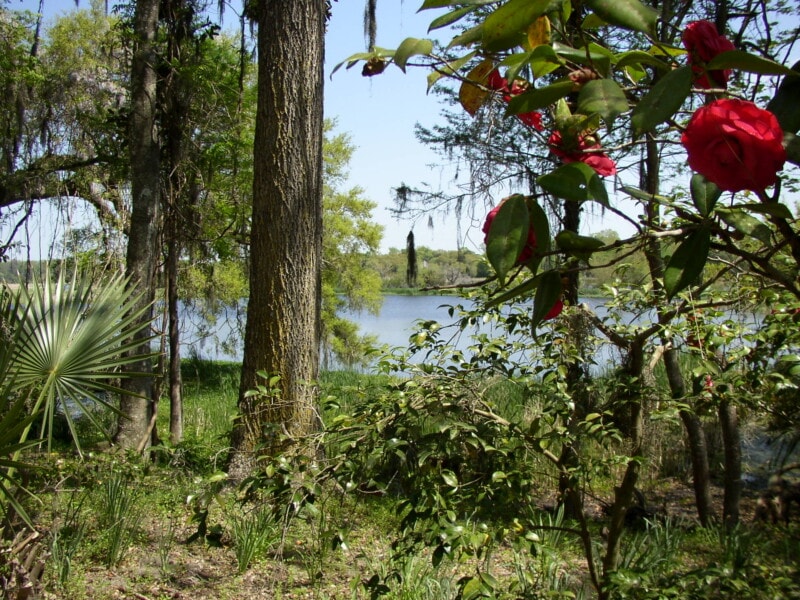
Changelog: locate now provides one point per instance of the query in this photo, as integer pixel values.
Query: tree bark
(283, 312)
(135, 424)
(731, 440)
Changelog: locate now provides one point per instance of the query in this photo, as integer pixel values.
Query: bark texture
(136, 423)
(283, 313)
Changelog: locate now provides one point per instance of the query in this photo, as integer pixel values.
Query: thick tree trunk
(283, 313)
(135, 426)
(731, 440)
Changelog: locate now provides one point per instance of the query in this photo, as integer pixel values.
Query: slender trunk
(569, 490)
(174, 367)
(283, 312)
(135, 424)
(729, 423)
(623, 495)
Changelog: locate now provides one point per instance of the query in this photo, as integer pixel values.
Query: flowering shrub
(530, 246)
(584, 151)
(703, 42)
(500, 84)
(735, 144)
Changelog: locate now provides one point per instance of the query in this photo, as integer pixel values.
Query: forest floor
(159, 564)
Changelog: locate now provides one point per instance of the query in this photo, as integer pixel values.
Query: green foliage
(254, 533)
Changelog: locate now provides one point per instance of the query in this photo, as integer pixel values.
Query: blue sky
(378, 114)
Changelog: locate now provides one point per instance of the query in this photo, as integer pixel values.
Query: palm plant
(62, 340)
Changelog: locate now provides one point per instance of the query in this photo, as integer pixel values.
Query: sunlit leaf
(411, 47)
(539, 98)
(473, 92)
(539, 32)
(629, 14)
(746, 224)
(507, 26)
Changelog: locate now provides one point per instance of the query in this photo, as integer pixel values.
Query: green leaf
(450, 478)
(687, 262)
(604, 97)
(662, 101)
(645, 196)
(508, 235)
(469, 37)
(639, 57)
(773, 209)
(541, 226)
(785, 105)
(629, 14)
(428, 4)
(547, 294)
(506, 27)
(538, 98)
(448, 69)
(450, 18)
(704, 194)
(746, 224)
(523, 288)
(744, 61)
(575, 181)
(595, 56)
(411, 47)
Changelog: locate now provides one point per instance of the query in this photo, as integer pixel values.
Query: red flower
(735, 144)
(527, 250)
(555, 311)
(500, 84)
(591, 154)
(703, 42)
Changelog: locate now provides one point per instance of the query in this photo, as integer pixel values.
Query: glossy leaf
(548, 293)
(469, 37)
(541, 226)
(594, 56)
(785, 105)
(688, 261)
(744, 61)
(662, 101)
(428, 4)
(515, 292)
(604, 97)
(746, 224)
(539, 98)
(448, 69)
(450, 18)
(629, 14)
(473, 92)
(508, 235)
(539, 32)
(411, 47)
(575, 181)
(507, 26)
(704, 194)
(773, 209)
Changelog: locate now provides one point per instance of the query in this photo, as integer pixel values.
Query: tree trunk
(174, 368)
(283, 312)
(731, 440)
(135, 424)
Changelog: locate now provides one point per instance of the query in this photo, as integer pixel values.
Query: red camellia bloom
(591, 154)
(500, 84)
(555, 311)
(735, 144)
(703, 42)
(527, 250)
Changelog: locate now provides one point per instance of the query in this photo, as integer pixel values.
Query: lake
(393, 326)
